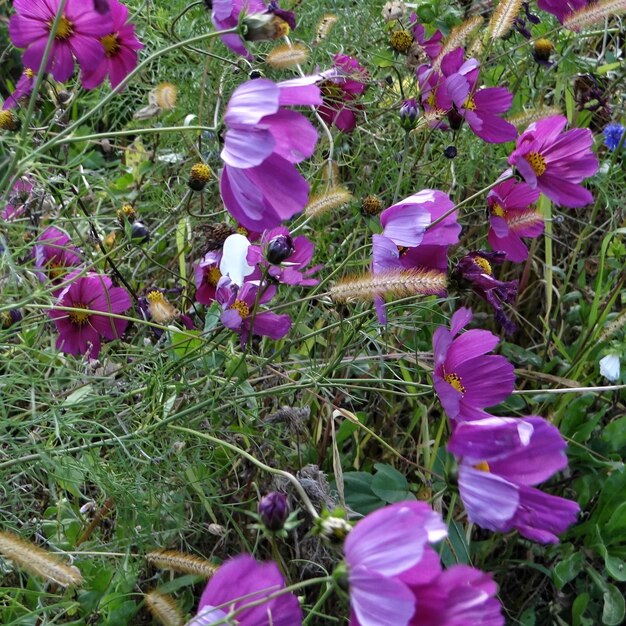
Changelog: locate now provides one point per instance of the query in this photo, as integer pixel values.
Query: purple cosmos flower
(18, 199)
(23, 89)
(378, 550)
(260, 184)
(228, 13)
(54, 254)
(466, 378)
(477, 268)
(207, 275)
(562, 8)
(120, 46)
(80, 331)
(244, 577)
(409, 242)
(458, 596)
(432, 47)
(555, 162)
(340, 87)
(512, 215)
(239, 315)
(78, 35)
(500, 461)
(285, 257)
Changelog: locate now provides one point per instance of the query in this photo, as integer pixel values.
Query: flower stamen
(537, 162)
(455, 381)
(79, 317)
(64, 30)
(242, 307)
(111, 44)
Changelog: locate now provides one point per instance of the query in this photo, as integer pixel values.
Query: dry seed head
(164, 609)
(401, 41)
(524, 119)
(181, 562)
(199, 176)
(285, 56)
(397, 284)
(126, 213)
(38, 562)
(161, 311)
(371, 205)
(332, 199)
(457, 37)
(503, 18)
(216, 234)
(9, 120)
(594, 13)
(165, 95)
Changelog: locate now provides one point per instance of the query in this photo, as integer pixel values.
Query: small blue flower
(613, 135)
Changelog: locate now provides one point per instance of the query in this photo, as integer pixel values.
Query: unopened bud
(274, 510)
(409, 112)
(279, 249)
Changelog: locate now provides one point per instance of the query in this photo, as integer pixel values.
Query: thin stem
(405, 152)
(272, 470)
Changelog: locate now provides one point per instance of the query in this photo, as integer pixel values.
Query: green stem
(405, 151)
(320, 602)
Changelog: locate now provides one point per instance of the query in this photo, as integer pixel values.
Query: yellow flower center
(29, 73)
(79, 317)
(469, 104)
(242, 307)
(537, 162)
(432, 100)
(484, 265)
(330, 90)
(155, 296)
(455, 381)
(242, 230)
(213, 276)
(111, 44)
(497, 210)
(201, 172)
(64, 28)
(483, 466)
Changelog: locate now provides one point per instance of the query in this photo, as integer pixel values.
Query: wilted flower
(556, 161)
(512, 215)
(401, 40)
(477, 269)
(378, 551)
(241, 581)
(466, 378)
(500, 461)
(340, 87)
(260, 21)
(199, 176)
(393, 10)
(120, 47)
(23, 89)
(285, 257)
(80, 331)
(274, 510)
(18, 198)
(260, 184)
(54, 254)
(78, 34)
(238, 311)
(613, 134)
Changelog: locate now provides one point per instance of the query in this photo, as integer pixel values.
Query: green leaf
(578, 609)
(383, 58)
(614, 608)
(390, 485)
(568, 569)
(359, 494)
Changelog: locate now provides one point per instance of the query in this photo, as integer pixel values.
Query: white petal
(610, 367)
(233, 263)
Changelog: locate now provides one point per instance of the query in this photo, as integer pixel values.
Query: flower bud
(450, 152)
(279, 248)
(140, 232)
(274, 510)
(10, 317)
(409, 112)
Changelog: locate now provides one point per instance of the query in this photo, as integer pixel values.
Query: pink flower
(80, 331)
(241, 581)
(432, 47)
(512, 215)
(238, 305)
(556, 161)
(78, 35)
(378, 550)
(340, 87)
(120, 46)
(227, 14)
(207, 275)
(285, 257)
(54, 255)
(18, 198)
(500, 461)
(23, 89)
(466, 378)
(562, 8)
(260, 184)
